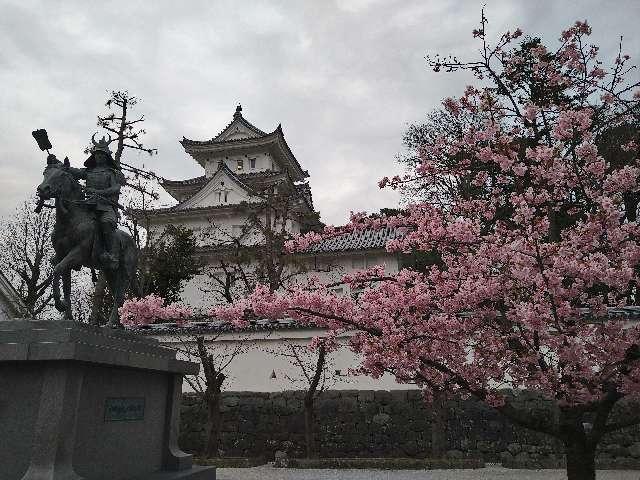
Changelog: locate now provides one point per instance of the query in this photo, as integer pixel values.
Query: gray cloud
(344, 78)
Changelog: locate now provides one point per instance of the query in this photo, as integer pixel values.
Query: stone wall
(370, 423)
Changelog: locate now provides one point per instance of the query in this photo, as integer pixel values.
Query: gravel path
(266, 472)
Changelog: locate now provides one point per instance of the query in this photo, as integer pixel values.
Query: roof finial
(238, 111)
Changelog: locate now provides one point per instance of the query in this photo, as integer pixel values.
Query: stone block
(454, 454)
(399, 397)
(332, 394)
(365, 396)
(90, 403)
(382, 396)
(473, 428)
(634, 450)
(230, 401)
(381, 419)
(514, 448)
(348, 404)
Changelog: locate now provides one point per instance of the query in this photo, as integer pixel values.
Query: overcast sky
(344, 77)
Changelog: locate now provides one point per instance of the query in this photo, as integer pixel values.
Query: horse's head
(58, 181)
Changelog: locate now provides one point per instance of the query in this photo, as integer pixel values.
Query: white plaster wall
(264, 161)
(193, 296)
(327, 268)
(252, 369)
(195, 224)
(210, 230)
(220, 190)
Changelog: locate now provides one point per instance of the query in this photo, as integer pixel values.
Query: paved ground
(269, 473)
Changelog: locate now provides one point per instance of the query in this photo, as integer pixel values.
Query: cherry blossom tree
(525, 261)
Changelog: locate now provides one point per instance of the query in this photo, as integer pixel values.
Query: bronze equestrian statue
(85, 232)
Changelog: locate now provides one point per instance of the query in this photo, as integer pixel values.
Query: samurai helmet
(101, 145)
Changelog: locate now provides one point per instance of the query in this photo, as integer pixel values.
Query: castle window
(240, 165)
(226, 193)
(219, 196)
(252, 163)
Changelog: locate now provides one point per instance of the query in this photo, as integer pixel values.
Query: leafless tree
(26, 252)
(237, 262)
(117, 121)
(254, 252)
(215, 358)
(313, 368)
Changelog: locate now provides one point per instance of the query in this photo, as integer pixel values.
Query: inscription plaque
(124, 409)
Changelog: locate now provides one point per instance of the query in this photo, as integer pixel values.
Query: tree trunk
(581, 460)
(438, 426)
(309, 399)
(312, 452)
(213, 426)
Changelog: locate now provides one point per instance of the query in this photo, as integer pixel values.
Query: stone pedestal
(87, 403)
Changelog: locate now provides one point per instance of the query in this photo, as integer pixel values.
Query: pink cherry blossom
(521, 270)
(149, 309)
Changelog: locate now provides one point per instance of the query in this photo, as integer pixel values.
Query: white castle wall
(254, 368)
(324, 267)
(263, 161)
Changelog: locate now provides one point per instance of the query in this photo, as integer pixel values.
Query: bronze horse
(76, 241)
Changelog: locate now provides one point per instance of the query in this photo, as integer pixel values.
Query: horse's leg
(118, 300)
(63, 269)
(112, 276)
(118, 285)
(66, 288)
(59, 304)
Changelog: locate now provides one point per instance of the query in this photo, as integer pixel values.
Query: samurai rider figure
(103, 182)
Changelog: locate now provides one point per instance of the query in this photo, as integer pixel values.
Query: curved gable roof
(238, 124)
(11, 305)
(207, 189)
(250, 138)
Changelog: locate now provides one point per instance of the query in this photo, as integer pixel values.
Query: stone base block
(87, 403)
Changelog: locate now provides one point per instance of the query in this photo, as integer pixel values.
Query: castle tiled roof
(214, 326)
(11, 305)
(369, 239)
(175, 209)
(238, 118)
(219, 326)
(182, 190)
(274, 140)
(202, 179)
